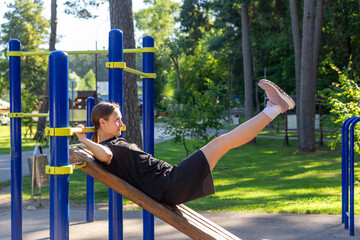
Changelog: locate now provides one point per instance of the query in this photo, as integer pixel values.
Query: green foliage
(194, 118)
(25, 23)
(343, 100)
(341, 39)
(89, 81)
(80, 8)
(195, 22)
(158, 21)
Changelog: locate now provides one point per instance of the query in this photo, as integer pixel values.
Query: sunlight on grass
(261, 177)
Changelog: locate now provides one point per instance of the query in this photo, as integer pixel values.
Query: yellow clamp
(16, 115)
(149, 75)
(116, 65)
(14, 54)
(70, 131)
(63, 170)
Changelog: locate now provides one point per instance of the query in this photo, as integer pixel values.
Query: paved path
(250, 226)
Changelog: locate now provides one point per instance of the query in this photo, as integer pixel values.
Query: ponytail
(95, 137)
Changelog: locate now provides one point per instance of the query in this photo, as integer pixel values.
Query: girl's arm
(101, 152)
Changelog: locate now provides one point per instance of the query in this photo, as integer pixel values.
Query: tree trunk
(177, 71)
(257, 101)
(296, 36)
(121, 17)
(317, 37)
(307, 92)
(249, 108)
(45, 102)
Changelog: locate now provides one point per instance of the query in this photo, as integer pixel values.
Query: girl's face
(112, 126)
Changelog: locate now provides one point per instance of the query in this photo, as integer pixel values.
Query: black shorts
(188, 180)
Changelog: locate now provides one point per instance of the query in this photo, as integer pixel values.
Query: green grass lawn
(261, 177)
(27, 142)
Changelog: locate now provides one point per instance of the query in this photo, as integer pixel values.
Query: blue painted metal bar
(344, 158)
(148, 124)
(115, 95)
(352, 176)
(346, 172)
(59, 146)
(15, 129)
(90, 185)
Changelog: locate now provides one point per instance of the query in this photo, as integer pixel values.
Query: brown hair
(101, 110)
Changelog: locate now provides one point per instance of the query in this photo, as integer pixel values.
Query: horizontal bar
(146, 75)
(19, 53)
(24, 115)
(75, 145)
(70, 131)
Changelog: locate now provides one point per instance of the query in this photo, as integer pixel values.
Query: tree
(194, 118)
(309, 54)
(45, 102)
(248, 83)
(342, 100)
(25, 23)
(158, 21)
(89, 81)
(121, 17)
(296, 36)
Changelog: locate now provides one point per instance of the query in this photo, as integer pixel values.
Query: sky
(79, 34)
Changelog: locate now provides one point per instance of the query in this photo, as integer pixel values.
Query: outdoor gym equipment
(347, 172)
(59, 145)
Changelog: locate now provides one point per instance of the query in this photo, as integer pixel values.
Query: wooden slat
(180, 217)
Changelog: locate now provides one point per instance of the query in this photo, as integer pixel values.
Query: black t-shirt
(137, 167)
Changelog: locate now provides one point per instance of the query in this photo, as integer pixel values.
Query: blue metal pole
(90, 185)
(352, 177)
(148, 124)
(346, 172)
(115, 95)
(15, 129)
(59, 146)
(344, 158)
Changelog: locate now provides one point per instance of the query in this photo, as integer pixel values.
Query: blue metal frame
(148, 124)
(59, 117)
(16, 151)
(115, 95)
(59, 145)
(347, 172)
(90, 184)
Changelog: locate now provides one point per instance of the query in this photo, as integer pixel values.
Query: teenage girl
(189, 179)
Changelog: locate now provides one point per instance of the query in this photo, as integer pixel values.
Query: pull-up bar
(136, 50)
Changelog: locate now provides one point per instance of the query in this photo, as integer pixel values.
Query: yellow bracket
(70, 131)
(14, 54)
(63, 170)
(16, 115)
(115, 65)
(23, 115)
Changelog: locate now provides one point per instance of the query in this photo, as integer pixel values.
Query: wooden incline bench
(180, 217)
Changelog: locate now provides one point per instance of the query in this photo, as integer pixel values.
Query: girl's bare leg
(242, 134)
(279, 102)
